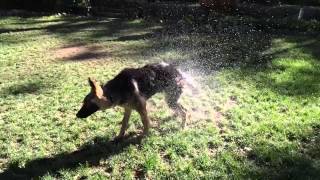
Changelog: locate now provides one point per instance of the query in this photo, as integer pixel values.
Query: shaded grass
(272, 132)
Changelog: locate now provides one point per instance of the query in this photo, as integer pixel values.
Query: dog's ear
(95, 88)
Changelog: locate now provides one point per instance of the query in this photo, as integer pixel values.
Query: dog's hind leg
(172, 97)
(181, 111)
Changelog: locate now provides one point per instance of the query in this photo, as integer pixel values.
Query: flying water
(203, 49)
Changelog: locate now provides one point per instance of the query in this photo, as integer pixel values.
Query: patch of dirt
(81, 52)
(199, 108)
(218, 115)
(140, 174)
(231, 102)
(202, 111)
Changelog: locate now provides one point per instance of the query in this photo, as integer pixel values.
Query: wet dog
(131, 88)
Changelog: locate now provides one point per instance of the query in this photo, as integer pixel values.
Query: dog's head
(94, 101)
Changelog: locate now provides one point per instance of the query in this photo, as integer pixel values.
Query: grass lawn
(257, 113)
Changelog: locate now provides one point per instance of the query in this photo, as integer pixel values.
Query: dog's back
(150, 79)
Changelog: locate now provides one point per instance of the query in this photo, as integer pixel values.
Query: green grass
(259, 103)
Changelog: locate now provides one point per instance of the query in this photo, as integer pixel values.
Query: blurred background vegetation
(79, 6)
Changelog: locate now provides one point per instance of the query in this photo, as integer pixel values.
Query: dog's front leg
(125, 120)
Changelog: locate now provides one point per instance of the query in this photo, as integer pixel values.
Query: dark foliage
(276, 2)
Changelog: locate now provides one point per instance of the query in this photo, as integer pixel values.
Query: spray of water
(195, 98)
(202, 51)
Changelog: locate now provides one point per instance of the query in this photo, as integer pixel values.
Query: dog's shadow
(90, 154)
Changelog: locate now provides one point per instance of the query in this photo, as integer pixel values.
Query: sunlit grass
(256, 121)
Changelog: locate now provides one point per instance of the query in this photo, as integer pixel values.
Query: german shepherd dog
(131, 88)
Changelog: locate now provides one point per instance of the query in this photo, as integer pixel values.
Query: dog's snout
(81, 114)
(86, 110)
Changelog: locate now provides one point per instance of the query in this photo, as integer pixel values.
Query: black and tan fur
(131, 88)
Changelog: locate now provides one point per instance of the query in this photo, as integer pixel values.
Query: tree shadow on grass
(31, 21)
(90, 27)
(309, 44)
(285, 81)
(134, 37)
(68, 22)
(20, 89)
(293, 71)
(81, 52)
(281, 163)
(90, 154)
